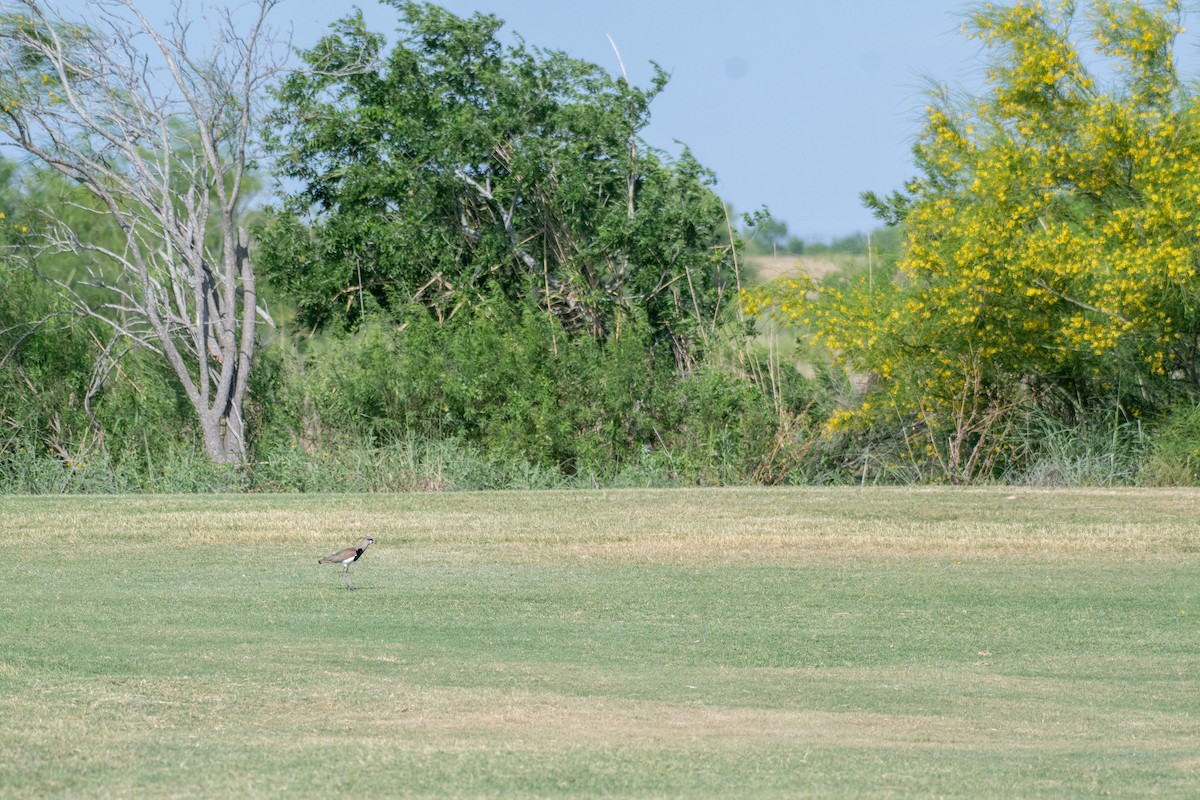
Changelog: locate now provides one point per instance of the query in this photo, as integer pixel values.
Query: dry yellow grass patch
(767, 268)
(647, 526)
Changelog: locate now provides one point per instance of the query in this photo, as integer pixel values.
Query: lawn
(690, 643)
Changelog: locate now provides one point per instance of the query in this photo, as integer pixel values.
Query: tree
(1051, 238)
(161, 137)
(454, 163)
(768, 235)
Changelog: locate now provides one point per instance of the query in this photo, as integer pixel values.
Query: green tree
(453, 163)
(767, 235)
(46, 386)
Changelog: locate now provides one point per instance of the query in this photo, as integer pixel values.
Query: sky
(796, 105)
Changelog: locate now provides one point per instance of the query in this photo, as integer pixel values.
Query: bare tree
(157, 125)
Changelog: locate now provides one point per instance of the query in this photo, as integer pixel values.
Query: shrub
(1050, 239)
(1174, 458)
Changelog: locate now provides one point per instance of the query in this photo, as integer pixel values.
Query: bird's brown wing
(339, 556)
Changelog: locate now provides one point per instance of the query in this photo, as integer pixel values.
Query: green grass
(754, 643)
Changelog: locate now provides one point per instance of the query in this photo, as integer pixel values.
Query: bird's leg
(346, 577)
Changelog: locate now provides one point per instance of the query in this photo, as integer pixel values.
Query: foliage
(156, 138)
(453, 165)
(76, 417)
(45, 368)
(506, 387)
(766, 235)
(502, 286)
(1174, 458)
(520, 388)
(1051, 238)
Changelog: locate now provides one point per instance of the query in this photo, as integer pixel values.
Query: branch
(506, 217)
(1041, 284)
(162, 141)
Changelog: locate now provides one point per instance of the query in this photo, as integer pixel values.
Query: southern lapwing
(347, 557)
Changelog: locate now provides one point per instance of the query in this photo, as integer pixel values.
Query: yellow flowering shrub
(1052, 238)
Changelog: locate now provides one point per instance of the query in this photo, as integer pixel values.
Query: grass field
(725, 643)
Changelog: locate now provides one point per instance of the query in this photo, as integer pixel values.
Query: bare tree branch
(159, 131)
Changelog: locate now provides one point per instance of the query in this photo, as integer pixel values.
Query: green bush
(724, 427)
(510, 382)
(1174, 458)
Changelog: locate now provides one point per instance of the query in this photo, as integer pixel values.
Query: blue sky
(797, 105)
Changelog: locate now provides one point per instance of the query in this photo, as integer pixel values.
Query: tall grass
(1099, 451)
(794, 450)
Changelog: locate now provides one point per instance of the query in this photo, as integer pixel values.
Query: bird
(348, 556)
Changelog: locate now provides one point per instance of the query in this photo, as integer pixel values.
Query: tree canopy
(453, 165)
